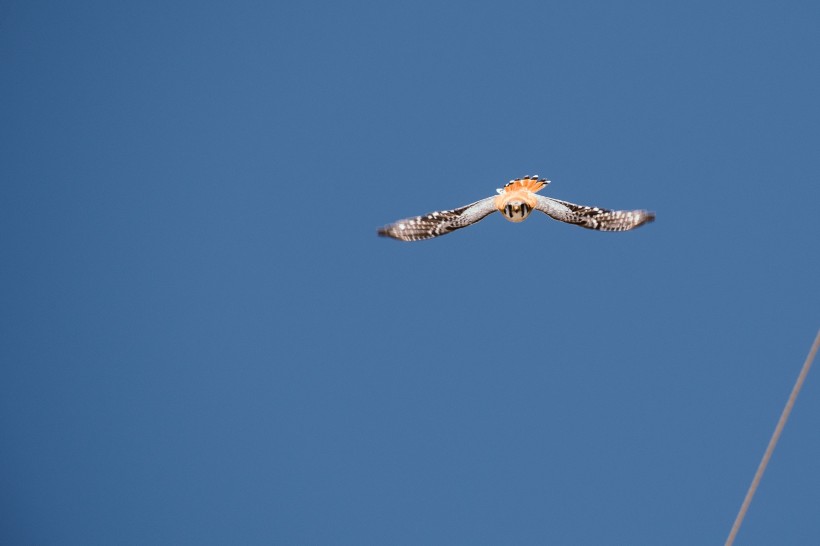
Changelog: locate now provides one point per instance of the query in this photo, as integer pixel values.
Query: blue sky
(204, 342)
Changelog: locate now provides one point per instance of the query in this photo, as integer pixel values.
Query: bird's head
(516, 211)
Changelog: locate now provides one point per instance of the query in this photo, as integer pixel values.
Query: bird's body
(515, 201)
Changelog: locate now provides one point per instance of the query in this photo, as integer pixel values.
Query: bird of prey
(515, 201)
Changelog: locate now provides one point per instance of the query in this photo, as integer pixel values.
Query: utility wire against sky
(773, 442)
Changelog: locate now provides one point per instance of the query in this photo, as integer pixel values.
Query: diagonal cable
(773, 442)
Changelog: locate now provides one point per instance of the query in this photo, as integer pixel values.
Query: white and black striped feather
(593, 217)
(439, 223)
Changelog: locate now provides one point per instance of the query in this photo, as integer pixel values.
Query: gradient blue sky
(204, 342)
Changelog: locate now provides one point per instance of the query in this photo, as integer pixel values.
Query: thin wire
(773, 442)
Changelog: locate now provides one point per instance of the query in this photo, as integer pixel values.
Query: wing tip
(386, 231)
(643, 217)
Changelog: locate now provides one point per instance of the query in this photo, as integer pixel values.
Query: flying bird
(515, 201)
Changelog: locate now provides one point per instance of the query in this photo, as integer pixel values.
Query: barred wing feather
(438, 223)
(593, 217)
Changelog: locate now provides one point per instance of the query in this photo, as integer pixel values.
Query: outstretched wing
(593, 217)
(438, 223)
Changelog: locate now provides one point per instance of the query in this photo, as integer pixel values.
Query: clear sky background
(203, 340)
